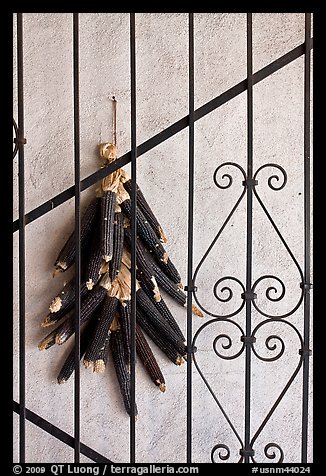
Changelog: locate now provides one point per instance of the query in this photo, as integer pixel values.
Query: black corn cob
(146, 232)
(59, 335)
(66, 295)
(64, 302)
(147, 357)
(121, 369)
(143, 263)
(55, 317)
(67, 254)
(91, 298)
(98, 346)
(65, 330)
(163, 309)
(165, 345)
(118, 236)
(89, 304)
(91, 301)
(94, 260)
(171, 271)
(147, 211)
(124, 320)
(69, 364)
(108, 202)
(152, 313)
(171, 288)
(48, 341)
(102, 358)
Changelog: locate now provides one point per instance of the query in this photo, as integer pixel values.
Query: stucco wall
(162, 98)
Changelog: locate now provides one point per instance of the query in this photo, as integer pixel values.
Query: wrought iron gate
(249, 288)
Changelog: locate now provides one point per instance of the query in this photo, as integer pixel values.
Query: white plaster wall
(162, 98)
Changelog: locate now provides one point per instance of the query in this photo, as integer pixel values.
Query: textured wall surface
(162, 98)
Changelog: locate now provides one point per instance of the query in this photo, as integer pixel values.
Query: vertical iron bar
(190, 235)
(307, 264)
(21, 204)
(77, 234)
(133, 238)
(249, 232)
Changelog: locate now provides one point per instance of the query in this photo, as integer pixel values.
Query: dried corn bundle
(105, 313)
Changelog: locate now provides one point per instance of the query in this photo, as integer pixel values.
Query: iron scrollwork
(274, 293)
(271, 454)
(16, 132)
(223, 456)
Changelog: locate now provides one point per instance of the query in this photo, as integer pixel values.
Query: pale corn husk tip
(47, 322)
(87, 363)
(44, 342)
(59, 269)
(99, 366)
(162, 387)
(55, 304)
(163, 237)
(89, 284)
(197, 311)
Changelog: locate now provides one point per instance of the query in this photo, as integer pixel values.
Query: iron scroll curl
(16, 132)
(226, 289)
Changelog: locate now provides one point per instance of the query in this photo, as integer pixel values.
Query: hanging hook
(108, 150)
(114, 120)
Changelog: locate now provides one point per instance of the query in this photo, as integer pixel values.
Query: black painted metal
(61, 435)
(248, 302)
(190, 287)
(21, 221)
(133, 238)
(77, 234)
(307, 243)
(250, 291)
